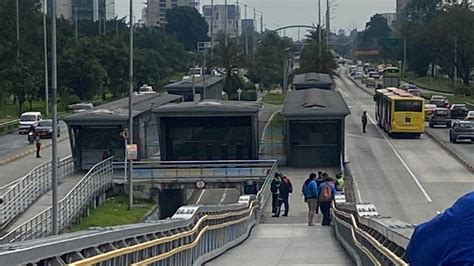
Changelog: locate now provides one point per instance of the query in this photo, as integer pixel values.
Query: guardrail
(92, 185)
(194, 235)
(31, 187)
(9, 126)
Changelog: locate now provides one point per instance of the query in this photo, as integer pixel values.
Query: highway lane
(15, 143)
(408, 179)
(465, 148)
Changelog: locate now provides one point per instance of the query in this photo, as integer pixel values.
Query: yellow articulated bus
(399, 112)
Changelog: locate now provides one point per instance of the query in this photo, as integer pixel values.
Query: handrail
(95, 181)
(30, 187)
(9, 126)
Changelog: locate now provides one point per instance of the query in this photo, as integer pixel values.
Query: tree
(375, 30)
(188, 26)
(227, 57)
(311, 61)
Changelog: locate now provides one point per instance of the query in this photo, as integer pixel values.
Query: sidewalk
(288, 240)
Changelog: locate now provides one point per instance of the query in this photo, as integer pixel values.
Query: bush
(250, 95)
(464, 90)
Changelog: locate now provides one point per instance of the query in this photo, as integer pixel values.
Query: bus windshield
(408, 106)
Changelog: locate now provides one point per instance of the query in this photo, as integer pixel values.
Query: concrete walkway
(45, 201)
(288, 240)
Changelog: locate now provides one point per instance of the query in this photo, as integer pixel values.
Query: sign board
(340, 197)
(390, 42)
(132, 151)
(366, 209)
(366, 53)
(245, 199)
(185, 212)
(200, 184)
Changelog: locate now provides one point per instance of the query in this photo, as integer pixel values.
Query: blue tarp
(448, 239)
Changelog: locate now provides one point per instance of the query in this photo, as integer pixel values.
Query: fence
(9, 126)
(92, 185)
(31, 187)
(273, 143)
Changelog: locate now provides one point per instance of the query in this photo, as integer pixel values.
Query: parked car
(27, 120)
(145, 89)
(414, 92)
(429, 108)
(470, 116)
(458, 110)
(440, 116)
(44, 129)
(80, 107)
(439, 100)
(461, 130)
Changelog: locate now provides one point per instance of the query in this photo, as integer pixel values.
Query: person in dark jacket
(285, 189)
(319, 181)
(326, 199)
(275, 189)
(363, 120)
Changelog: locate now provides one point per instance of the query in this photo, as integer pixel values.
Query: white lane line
(402, 161)
(224, 195)
(358, 194)
(200, 196)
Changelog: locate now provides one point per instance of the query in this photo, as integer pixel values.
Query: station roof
(312, 79)
(315, 103)
(208, 108)
(117, 111)
(198, 83)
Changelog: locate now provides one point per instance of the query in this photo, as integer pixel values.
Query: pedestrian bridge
(198, 235)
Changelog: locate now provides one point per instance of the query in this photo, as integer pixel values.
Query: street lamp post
(45, 44)
(17, 29)
(193, 84)
(225, 21)
(130, 113)
(285, 71)
(54, 89)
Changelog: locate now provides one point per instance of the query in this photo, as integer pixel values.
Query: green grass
(114, 212)
(274, 99)
(453, 99)
(435, 84)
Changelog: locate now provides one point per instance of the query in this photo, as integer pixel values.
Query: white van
(27, 120)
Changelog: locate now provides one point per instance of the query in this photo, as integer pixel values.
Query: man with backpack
(327, 194)
(275, 189)
(285, 189)
(310, 192)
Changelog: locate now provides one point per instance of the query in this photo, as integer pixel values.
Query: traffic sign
(390, 42)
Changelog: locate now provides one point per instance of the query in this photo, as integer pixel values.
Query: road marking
(224, 195)
(200, 196)
(402, 161)
(358, 194)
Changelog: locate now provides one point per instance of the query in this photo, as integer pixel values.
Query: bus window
(408, 106)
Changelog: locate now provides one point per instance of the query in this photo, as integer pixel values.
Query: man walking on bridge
(310, 192)
(326, 193)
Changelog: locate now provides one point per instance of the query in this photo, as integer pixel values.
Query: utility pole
(130, 113)
(54, 90)
(45, 44)
(225, 21)
(212, 28)
(204, 78)
(237, 17)
(328, 24)
(192, 78)
(254, 39)
(261, 22)
(455, 60)
(17, 29)
(75, 23)
(404, 57)
(246, 33)
(319, 27)
(116, 25)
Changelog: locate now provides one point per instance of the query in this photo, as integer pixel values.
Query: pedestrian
(283, 198)
(275, 189)
(363, 119)
(38, 145)
(327, 194)
(340, 180)
(319, 181)
(310, 192)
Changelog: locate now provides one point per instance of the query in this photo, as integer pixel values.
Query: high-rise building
(156, 10)
(84, 9)
(233, 19)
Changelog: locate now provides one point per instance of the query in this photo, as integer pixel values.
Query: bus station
(209, 87)
(313, 80)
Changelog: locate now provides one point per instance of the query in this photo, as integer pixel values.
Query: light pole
(130, 113)
(225, 22)
(212, 28)
(45, 44)
(193, 84)
(328, 24)
(319, 28)
(17, 29)
(54, 90)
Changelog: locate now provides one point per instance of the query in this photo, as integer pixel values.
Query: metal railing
(9, 126)
(93, 184)
(194, 235)
(31, 187)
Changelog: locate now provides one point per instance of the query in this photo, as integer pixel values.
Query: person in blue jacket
(447, 239)
(310, 192)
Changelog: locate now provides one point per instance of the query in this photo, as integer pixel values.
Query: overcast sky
(346, 14)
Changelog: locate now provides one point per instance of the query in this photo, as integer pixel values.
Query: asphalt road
(408, 179)
(15, 143)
